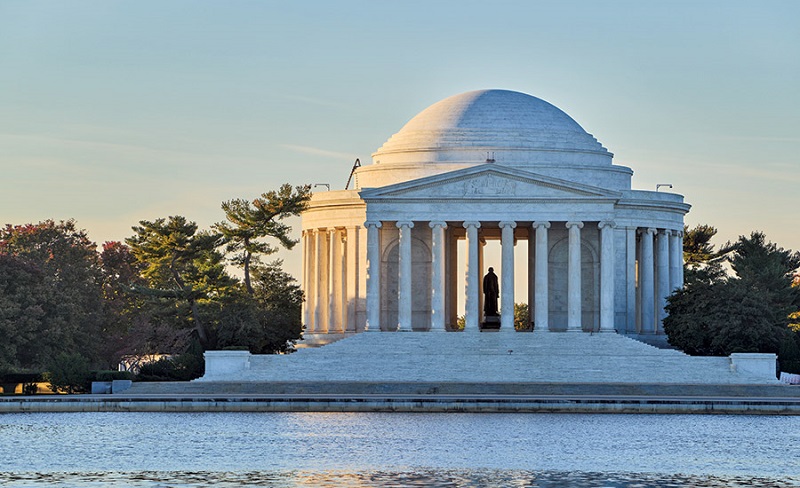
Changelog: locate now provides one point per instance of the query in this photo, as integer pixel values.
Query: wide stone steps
(491, 357)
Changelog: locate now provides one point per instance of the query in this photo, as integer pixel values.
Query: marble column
(662, 273)
(404, 277)
(630, 278)
(507, 278)
(437, 275)
(334, 281)
(472, 302)
(647, 285)
(305, 279)
(531, 273)
(319, 262)
(574, 322)
(351, 278)
(606, 276)
(451, 277)
(481, 271)
(542, 300)
(680, 259)
(308, 280)
(373, 276)
(341, 296)
(361, 279)
(675, 260)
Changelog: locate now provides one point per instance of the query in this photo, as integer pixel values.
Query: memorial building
(481, 166)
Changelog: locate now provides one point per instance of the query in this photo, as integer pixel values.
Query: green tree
(697, 247)
(183, 270)
(50, 293)
(268, 321)
(25, 301)
(750, 311)
(250, 222)
(69, 373)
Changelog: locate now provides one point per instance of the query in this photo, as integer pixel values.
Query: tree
(248, 222)
(268, 321)
(750, 311)
(25, 299)
(697, 247)
(51, 292)
(182, 269)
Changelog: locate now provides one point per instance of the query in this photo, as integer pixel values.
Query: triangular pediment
(488, 182)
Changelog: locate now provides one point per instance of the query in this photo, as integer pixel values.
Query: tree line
(166, 289)
(744, 297)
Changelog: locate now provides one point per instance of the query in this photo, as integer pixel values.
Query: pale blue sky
(112, 112)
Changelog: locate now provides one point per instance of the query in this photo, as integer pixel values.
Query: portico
(492, 165)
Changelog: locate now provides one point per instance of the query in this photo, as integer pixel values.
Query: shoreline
(409, 403)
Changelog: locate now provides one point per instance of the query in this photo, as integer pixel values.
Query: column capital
(651, 231)
(677, 233)
(506, 223)
(404, 223)
(574, 223)
(373, 223)
(434, 224)
(472, 223)
(541, 223)
(606, 223)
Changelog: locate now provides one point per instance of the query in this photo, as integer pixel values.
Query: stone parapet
(761, 365)
(225, 364)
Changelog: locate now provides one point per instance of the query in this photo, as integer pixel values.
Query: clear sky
(112, 112)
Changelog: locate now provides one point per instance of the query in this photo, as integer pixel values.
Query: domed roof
(510, 127)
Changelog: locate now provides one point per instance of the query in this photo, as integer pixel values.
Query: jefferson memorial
(404, 251)
(481, 166)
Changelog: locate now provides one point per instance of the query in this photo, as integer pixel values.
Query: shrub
(69, 373)
(184, 367)
(522, 319)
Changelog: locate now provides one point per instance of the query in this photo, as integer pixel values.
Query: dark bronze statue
(491, 291)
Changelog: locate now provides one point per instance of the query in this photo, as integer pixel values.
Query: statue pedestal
(491, 323)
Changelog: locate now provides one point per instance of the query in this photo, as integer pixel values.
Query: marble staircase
(492, 357)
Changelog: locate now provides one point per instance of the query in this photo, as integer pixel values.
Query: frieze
(489, 185)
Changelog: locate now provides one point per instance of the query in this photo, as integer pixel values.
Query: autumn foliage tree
(165, 289)
(51, 297)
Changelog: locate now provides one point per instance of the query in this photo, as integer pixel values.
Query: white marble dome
(512, 128)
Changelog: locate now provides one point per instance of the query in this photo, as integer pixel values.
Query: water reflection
(310, 449)
(387, 479)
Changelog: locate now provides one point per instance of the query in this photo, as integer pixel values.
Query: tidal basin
(396, 449)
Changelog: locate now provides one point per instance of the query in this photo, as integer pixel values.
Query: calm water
(312, 449)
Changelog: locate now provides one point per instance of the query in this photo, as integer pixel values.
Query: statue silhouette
(490, 294)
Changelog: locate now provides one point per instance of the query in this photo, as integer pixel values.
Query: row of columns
(331, 277)
(660, 273)
(473, 274)
(334, 278)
